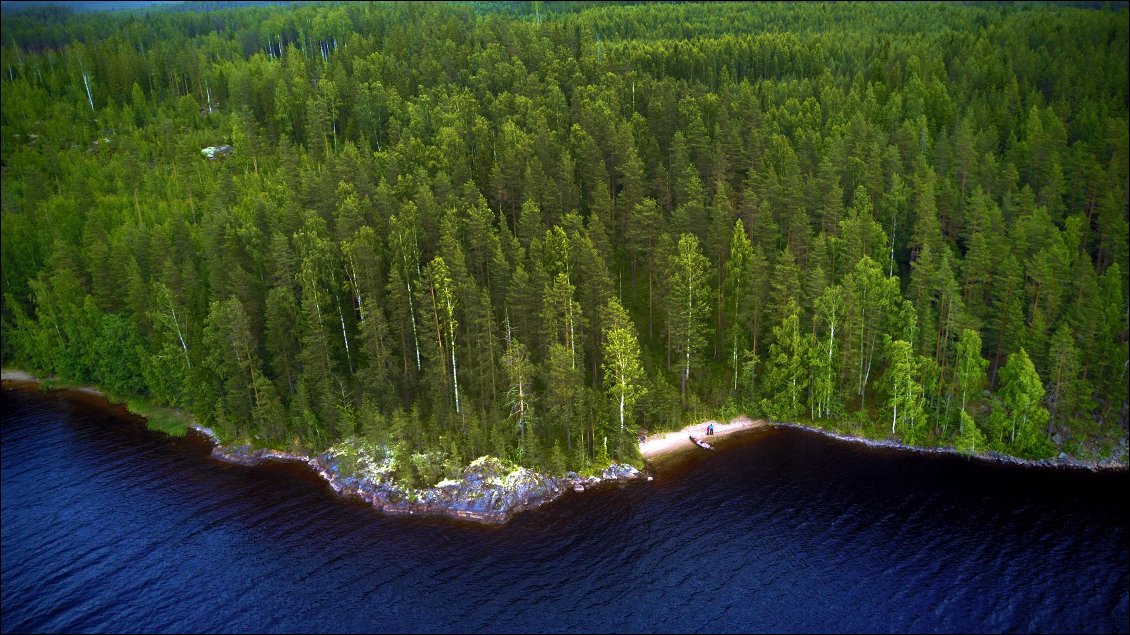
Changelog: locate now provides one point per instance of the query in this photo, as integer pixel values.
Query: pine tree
(786, 369)
(784, 288)
(862, 235)
(739, 308)
(563, 384)
(562, 319)
(1068, 393)
(642, 237)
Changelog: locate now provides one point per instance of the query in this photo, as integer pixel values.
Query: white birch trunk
(621, 408)
(412, 316)
(345, 337)
(735, 359)
(454, 374)
(341, 317)
(86, 82)
(687, 348)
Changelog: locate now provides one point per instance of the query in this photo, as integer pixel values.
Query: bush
(427, 469)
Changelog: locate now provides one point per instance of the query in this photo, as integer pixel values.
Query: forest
(536, 230)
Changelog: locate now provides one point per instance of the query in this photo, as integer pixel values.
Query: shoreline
(662, 445)
(490, 491)
(1068, 463)
(667, 444)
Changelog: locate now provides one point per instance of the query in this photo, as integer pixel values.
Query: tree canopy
(531, 230)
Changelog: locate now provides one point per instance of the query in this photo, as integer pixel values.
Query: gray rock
(618, 471)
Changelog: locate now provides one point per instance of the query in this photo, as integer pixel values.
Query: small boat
(702, 444)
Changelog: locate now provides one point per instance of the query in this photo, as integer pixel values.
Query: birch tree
(1019, 410)
(438, 297)
(970, 370)
(520, 372)
(969, 438)
(904, 392)
(406, 265)
(688, 306)
(165, 314)
(873, 307)
(623, 373)
(829, 312)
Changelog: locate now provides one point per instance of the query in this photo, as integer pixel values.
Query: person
(710, 429)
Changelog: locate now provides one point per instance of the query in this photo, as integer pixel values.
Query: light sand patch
(17, 375)
(23, 377)
(663, 444)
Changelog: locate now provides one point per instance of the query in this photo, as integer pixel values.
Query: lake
(107, 527)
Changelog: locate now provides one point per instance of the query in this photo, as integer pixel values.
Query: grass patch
(160, 419)
(53, 383)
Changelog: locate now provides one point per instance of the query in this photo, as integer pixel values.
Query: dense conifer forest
(532, 230)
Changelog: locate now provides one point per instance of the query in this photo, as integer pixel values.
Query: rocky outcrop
(490, 490)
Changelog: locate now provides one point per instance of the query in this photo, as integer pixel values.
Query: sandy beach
(17, 375)
(667, 443)
(22, 377)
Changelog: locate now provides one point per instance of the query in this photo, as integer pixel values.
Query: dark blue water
(110, 528)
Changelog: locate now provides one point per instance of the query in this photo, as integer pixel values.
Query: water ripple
(109, 528)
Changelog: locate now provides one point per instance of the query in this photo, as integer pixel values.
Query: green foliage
(160, 419)
(687, 306)
(786, 379)
(623, 374)
(485, 232)
(1019, 411)
(969, 439)
(970, 369)
(904, 393)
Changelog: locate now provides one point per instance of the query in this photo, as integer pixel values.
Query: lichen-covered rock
(491, 489)
(618, 471)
